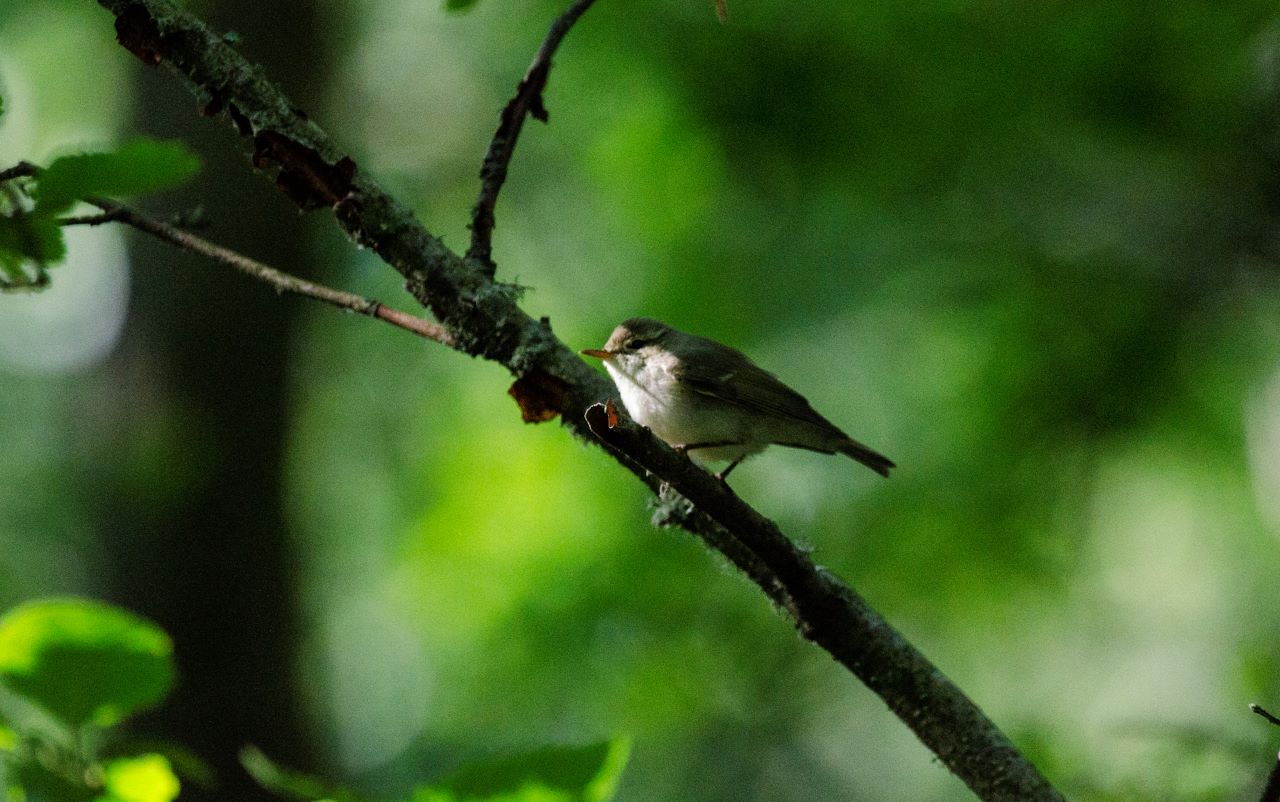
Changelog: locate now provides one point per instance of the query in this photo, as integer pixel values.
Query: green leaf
(143, 165)
(29, 238)
(286, 782)
(38, 782)
(551, 774)
(83, 661)
(190, 767)
(458, 6)
(146, 778)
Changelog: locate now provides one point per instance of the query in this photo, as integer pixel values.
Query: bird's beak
(598, 353)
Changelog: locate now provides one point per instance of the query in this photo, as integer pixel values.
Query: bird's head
(633, 343)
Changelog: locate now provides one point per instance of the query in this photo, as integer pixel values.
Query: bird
(712, 402)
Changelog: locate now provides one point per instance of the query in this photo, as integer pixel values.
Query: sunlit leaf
(140, 166)
(190, 767)
(146, 778)
(8, 739)
(551, 774)
(84, 661)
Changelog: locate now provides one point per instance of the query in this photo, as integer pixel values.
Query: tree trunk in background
(212, 563)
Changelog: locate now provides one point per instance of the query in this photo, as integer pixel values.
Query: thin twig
(19, 170)
(1271, 791)
(113, 212)
(487, 320)
(1262, 711)
(527, 101)
(90, 219)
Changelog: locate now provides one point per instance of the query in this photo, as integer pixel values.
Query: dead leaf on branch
(540, 395)
(138, 33)
(308, 180)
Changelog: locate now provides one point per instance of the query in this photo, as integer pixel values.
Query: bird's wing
(745, 384)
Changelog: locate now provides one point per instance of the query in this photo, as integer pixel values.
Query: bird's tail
(872, 459)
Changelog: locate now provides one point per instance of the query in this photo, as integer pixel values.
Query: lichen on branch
(483, 318)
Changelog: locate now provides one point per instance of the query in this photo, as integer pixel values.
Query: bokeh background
(1027, 250)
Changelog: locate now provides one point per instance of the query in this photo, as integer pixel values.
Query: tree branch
(484, 319)
(831, 615)
(19, 170)
(1266, 714)
(283, 282)
(1271, 791)
(527, 101)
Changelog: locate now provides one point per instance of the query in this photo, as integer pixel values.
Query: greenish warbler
(711, 401)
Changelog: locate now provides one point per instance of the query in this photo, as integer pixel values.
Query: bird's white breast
(655, 398)
(650, 393)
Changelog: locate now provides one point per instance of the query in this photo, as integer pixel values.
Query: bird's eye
(637, 344)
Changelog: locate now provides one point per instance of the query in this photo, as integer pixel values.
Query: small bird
(711, 401)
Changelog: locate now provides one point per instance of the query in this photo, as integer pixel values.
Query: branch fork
(481, 317)
(526, 102)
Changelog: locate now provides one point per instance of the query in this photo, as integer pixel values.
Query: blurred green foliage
(83, 662)
(1028, 251)
(31, 238)
(71, 669)
(136, 167)
(588, 773)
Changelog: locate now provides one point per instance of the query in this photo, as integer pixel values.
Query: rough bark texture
(484, 319)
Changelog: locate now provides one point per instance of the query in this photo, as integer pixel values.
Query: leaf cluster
(32, 207)
(71, 670)
(586, 773)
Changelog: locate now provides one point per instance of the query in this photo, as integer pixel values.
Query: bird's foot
(723, 476)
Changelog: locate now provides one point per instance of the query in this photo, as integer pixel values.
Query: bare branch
(113, 212)
(1271, 791)
(527, 101)
(90, 219)
(485, 320)
(833, 616)
(1261, 711)
(19, 170)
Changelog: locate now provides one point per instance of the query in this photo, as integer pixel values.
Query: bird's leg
(686, 447)
(724, 475)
